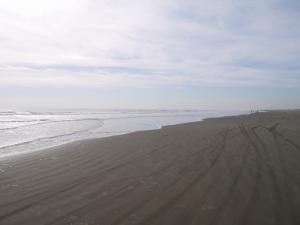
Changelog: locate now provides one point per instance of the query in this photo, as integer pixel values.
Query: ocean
(26, 131)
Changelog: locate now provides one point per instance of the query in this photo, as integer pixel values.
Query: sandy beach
(233, 170)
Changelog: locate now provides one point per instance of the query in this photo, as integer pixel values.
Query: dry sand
(234, 170)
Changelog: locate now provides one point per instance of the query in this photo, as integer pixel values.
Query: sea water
(27, 131)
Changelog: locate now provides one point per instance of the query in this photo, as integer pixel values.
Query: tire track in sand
(231, 190)
(277, 192)
(288, 181)
(250, 205)
(164, 207)
(83, 210)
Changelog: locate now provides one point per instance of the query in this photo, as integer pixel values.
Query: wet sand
(234, 170)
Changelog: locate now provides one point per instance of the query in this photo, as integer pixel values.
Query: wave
(48, 122)
(46, 138)
(43, 132)
(21, 121)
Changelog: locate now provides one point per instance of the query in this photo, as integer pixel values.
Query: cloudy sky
(150, 54)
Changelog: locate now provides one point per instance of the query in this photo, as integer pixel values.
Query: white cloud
(196, 42)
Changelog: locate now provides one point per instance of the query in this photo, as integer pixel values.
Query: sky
(171, 54)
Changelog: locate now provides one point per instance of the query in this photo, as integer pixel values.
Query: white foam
(22, 132)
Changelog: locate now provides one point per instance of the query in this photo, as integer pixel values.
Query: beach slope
(234, 170)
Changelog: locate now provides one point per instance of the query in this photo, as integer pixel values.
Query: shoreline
(229, 170)
(49, 148)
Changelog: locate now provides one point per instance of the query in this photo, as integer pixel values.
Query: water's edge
(101, 127)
